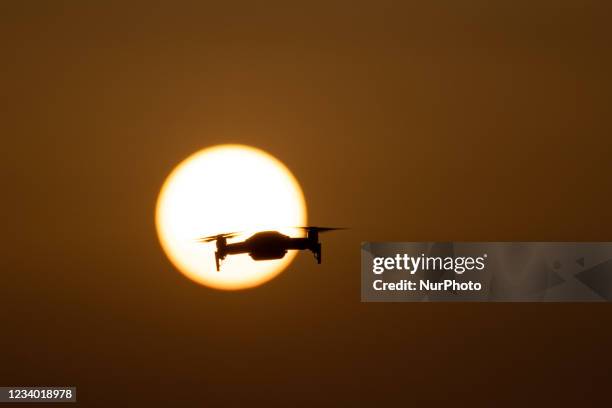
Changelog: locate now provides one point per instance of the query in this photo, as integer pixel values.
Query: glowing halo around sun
(227, 188)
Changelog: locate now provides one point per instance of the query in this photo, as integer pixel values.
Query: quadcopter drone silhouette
(267, 245)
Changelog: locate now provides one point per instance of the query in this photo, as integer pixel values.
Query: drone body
(267, 245)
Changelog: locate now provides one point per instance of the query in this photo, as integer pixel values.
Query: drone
(267, 245)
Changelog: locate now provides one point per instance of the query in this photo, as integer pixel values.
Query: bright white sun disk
(222, 189)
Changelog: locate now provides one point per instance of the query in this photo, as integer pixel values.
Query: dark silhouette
(268, 245)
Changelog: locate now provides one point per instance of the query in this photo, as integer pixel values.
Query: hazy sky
(475, 121)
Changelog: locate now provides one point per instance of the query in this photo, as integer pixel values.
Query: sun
(227, 188)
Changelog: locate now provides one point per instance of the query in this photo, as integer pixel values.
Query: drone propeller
(216, 237)
(321, 229)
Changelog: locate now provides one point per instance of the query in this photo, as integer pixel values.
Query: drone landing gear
(317, 253)
(217, 260)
